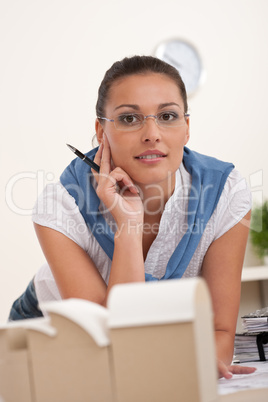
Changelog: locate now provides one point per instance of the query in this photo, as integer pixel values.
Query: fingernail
(134, 189)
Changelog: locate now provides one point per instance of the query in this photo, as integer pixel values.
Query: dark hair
(137, 65)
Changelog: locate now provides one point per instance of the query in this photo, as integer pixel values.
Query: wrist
(130, 228)
(224, 346)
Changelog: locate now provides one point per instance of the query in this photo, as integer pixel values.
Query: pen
(84, 158)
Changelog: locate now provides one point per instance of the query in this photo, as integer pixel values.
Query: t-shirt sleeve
(55, 208)
(235, 202)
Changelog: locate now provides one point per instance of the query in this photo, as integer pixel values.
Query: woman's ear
(99, 131)
(187, 133)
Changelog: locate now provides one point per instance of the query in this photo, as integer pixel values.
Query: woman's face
(149, 94)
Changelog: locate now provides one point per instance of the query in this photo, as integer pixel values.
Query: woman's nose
(150, 130)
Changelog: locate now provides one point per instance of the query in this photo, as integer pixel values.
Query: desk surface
(245, 382)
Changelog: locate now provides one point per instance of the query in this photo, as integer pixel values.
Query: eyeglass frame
(143, 122)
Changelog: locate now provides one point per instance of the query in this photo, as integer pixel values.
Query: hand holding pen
(115, 187)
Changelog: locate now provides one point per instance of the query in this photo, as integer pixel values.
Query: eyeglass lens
(134, 121)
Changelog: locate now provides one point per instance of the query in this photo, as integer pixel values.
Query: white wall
(53, 56)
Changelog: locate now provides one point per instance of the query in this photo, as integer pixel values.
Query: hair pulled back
(137, 65)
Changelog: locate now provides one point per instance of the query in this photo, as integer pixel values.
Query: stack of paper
(246, 348)
(252, 345)
(257, 321)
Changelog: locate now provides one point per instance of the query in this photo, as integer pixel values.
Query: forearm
(121, 197)
(128, 263)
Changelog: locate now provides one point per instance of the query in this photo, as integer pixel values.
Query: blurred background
(54, 54)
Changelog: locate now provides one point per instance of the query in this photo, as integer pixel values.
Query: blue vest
(208, 178)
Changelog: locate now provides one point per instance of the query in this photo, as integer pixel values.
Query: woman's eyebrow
(162, 105)
(135, 107)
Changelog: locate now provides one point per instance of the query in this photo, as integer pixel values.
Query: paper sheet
(240, 382)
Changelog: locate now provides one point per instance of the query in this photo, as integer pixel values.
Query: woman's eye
(128, 119)
(168, 116)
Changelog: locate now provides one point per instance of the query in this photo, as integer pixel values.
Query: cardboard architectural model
(157, 335)
(154, 342)
(62, 357)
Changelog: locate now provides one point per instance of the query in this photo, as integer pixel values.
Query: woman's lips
(151, 152)
(150, 158)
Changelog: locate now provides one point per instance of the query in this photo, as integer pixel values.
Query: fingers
(224, 371)
(228, 371)
(237, 369)
(97, 160)
(98, 155)
(125, 182)
(103, 159)
(115, 176)
(117, 181)
(105, 167)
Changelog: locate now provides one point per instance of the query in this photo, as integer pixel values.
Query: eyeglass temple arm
(104, 118)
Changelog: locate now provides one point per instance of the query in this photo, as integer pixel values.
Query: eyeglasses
(135, 121)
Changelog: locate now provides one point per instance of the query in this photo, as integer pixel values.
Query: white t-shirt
(56, 209)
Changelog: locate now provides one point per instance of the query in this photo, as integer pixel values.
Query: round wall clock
(185, 58)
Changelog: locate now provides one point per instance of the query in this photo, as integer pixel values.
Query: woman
(156, 210)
